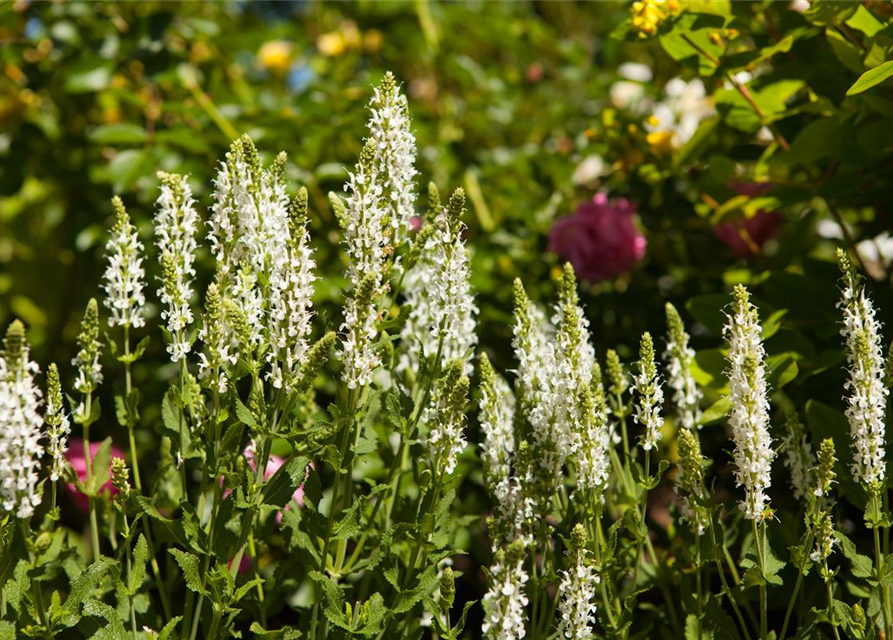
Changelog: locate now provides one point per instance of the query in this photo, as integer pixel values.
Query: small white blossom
(867, 399)
(504, 615)
(20, 426)
(124, 275)
(749, 417)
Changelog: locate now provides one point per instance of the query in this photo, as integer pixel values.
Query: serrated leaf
(861, 565)
(285, 633)
(244, 414)
(138, 565)
(286, 481)
(191, 572)
(333, 596)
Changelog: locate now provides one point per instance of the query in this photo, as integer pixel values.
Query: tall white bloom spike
(20, 425)
(175, 226)
(446, 437)
(58, 423)
(576, 592)
(504, 603)
(593, 457)
(497, 412)
(291, 294)
(867, 397)
(748, 395)
(679, 358)
(395, 154)
(649, 395)
(124, 275)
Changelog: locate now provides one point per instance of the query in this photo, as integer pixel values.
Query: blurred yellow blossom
(649, 14)
(372, 40)
(331, 44)
(661, 142)
(275, 56)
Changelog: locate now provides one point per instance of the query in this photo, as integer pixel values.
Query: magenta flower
(601, 239)
(78, 462)
(746, 236)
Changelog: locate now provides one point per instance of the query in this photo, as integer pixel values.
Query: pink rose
(600, 239)
(746, 236)
(78, 462)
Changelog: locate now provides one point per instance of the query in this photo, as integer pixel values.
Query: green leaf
(119, 133)
(717, 411)
(88, 79)
(167, 632)
(334, 600)
(871, 78)
(863, 20)
(138, 566)
(244, 415)
(190, 566)
(861, 565)
(282, 486)
(285, 633)
(100, 466)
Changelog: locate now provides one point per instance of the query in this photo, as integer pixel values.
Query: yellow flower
(331, 44)
(372, 40)
(661, 142)
(275, 56)
(649, 14)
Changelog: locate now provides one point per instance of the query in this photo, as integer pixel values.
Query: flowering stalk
(867, 402)
(577, 590)
(679, 357)
(749, 419)
(504, 614)
(59, 429)
(89, 378)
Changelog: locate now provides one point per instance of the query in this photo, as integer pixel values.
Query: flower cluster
(749, 417)
(504, 615)
(867, 394)
(87, 360)
(679, 358)
(689, 481)
(58, 423)
(20, 425)
(798, 454)
(124, 275)
(577, 592)
(175, 226)
(446, 437)
(650, 395)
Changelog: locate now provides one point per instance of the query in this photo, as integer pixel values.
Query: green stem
(830, 600)
(35, 585)
(722, 576)
(761, 559)
(879, 567)
(88, 463)
(643, 529)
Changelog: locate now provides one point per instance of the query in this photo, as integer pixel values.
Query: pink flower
(600, 239)
(78, 462)
(746, 236)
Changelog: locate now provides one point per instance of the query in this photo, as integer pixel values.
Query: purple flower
(600, 239)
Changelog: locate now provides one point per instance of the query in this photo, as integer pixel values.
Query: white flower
(576, 607)
(798, 455)
(504, 602)
(649, 395)
(749, 417)
(497, 412)
(438, 289)
(679, 357)
(395, 153)
(867, 399)
(20, 426)
(593, 457)
(175, 226)
(124, 275)
(290, 313)
(446, 437)
(685, 105)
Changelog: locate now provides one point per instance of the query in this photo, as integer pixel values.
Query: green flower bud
(578, 537)
(447, 588)
(433, 200)
(14, 344)
(121, 478)
(616, 375)
(825, 474)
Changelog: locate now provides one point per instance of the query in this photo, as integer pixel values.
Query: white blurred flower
(681, 111)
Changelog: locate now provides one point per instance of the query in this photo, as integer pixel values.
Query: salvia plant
(306, 482)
